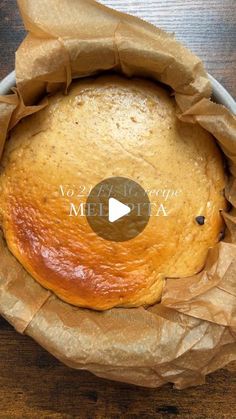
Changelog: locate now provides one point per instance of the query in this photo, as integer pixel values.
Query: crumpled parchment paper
(192, 332)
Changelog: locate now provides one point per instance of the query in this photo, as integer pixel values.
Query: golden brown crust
(106, 127)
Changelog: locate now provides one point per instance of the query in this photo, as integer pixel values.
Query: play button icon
(117, 209)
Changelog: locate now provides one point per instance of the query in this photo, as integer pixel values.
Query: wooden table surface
(35, 385)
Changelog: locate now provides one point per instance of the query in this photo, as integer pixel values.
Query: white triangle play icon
(117, 210)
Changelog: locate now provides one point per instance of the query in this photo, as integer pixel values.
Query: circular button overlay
(118, 209)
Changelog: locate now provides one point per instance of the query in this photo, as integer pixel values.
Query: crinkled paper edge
(182, 339)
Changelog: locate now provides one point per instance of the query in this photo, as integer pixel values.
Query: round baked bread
(110, 126)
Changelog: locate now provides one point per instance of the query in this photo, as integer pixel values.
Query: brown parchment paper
(192, 332)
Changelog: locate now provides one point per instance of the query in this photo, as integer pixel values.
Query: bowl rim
(220, 94)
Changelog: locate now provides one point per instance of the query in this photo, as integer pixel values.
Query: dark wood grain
(207, 27)
(11, 34)
(35, 385)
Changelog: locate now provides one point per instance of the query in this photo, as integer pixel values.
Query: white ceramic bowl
(220, 94)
